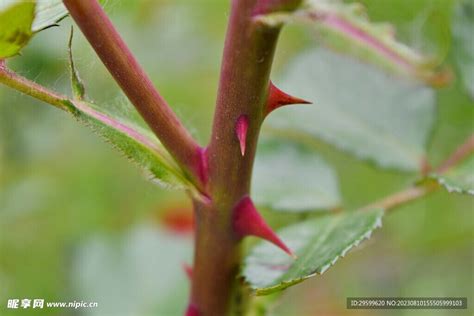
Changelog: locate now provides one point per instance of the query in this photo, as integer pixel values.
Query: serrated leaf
(318, 243)
(292, 177)
(20, 20)
(458, 179)
(358, 109)
(134, 141)
(463, 43)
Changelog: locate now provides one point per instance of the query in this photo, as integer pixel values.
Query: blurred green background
(79, 222)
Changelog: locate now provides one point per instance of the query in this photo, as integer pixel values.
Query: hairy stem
(120, 62)
(19, 83)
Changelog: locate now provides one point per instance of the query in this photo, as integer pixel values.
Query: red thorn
(241, 128)
(192, 310)
(248, 222)
(189, 271)
(278, 98)
(203, 169)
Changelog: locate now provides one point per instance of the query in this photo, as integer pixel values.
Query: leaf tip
(77, 86)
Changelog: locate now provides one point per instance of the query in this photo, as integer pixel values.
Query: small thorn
(278, 98)
(203, 170)
(241, 128)
(188, 270)
(192, 310)
(248, 222)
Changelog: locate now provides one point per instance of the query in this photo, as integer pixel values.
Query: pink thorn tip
(248, 222)
(188, 270)
(278, 98)
(241, 128)
(192, 310)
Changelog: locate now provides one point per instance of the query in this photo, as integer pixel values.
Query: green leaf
(77, 86)
(20, 20)
(318, 243)
(346, 28)
(48, 13)
(358, 109)
(463, 43)
(458, 179)
(108, 269)
(15, 27)
(292, 177)
(134, 141)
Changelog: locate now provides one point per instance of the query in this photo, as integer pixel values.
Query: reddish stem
(462, 152)
(243, 89)
(120, 62)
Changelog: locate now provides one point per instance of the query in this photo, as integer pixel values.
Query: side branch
(116, 56)
(413, 193)
(270, 6)
(30, 88)
(458, 155)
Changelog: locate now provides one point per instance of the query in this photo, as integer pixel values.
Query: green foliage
(77, 86)
(463, 25)
(20, 20)
(15, 27)
(346, 28)
(318, 243)
(135, 142)
(291, 177)
(48, 13)
(459, 179)
(358, 109)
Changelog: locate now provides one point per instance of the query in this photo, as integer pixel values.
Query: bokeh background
(79, 222)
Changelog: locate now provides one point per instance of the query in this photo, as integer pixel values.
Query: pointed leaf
(292, 177)
(20, 20)
(77, 86)
(359, 109)
(318, 243)
(459, 179)
(134, 141)
(463, 43)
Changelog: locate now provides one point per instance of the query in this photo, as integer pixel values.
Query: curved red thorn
(188, 270)
(247, 221)
(278, 98)
(192, 310)
(241, 128)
